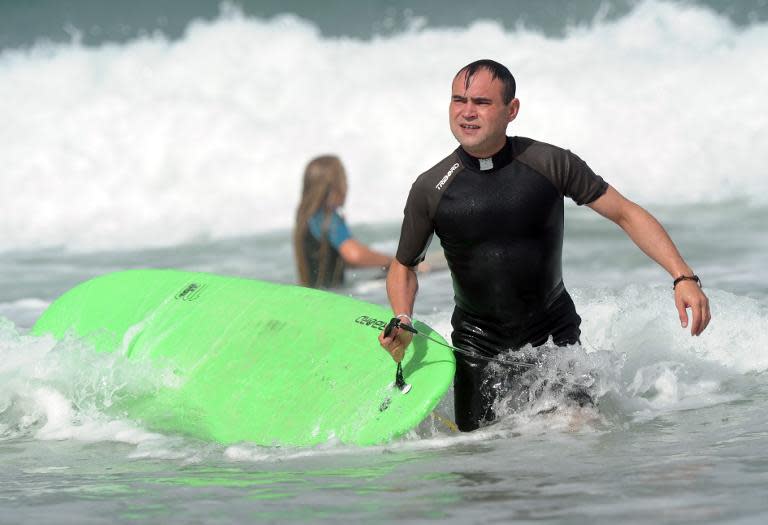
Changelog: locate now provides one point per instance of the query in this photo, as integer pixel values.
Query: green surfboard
(254, 361)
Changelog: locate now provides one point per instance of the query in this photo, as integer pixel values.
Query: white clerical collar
(486, 164)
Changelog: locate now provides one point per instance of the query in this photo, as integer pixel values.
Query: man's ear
(514, 108)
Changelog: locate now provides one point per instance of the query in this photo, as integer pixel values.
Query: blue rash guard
(337, 231)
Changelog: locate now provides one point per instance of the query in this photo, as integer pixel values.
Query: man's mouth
(469, 126)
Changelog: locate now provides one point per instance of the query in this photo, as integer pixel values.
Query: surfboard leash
(400, 381)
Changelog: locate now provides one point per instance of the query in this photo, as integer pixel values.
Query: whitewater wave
(156, 142)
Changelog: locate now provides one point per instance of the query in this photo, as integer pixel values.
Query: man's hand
(396, 343)
(688, 294)
(402, 285)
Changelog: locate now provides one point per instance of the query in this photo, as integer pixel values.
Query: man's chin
(466, 140)
(468, 143)
(474, 148)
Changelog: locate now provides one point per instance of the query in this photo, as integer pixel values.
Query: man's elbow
(616, 208)
(401, 273)
(400, 268)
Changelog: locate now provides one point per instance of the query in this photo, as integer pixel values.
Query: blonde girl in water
(322, 242)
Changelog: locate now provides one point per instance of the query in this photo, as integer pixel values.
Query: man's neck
(499, 159)
(489, 152)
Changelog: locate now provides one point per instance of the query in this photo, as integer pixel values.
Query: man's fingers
(704, 316)
(707, 317)
(396, 343)
(700, 314)
(387, 342)
(696, 314)
(683, 314)
(396, 350)
(393, 345)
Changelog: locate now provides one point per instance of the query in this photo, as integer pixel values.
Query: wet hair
(497, 71)
(323, 176)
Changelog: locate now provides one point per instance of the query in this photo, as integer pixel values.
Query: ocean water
(173, 135)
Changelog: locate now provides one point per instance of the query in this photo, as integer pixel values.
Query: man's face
(478, 115)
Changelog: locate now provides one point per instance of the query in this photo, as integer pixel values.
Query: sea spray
(64, 390)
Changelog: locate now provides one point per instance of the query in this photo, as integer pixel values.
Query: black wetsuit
(500, 222)
(324, 272)
(326, 232)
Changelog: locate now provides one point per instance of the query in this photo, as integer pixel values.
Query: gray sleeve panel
(420, 208)
(565, 170)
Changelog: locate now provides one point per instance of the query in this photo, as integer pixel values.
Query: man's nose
(469, 111)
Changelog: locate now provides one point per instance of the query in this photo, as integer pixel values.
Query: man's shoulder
(525, 147)
(543, 157)
(564, 169)
(437, 176)
(431, 185)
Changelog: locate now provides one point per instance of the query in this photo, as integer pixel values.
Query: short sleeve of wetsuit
(570, 175)
(416, 232)
(338, 232)
(581, 183)
(420, 208)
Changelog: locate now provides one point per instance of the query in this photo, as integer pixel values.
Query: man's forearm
(651, 237)
(402, 285)
(644, 230)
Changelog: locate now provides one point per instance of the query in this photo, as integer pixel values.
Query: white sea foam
(155, 142)
(643, 323)
(636, 361)
(53, 390)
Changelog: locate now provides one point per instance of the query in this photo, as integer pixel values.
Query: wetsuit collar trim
(496, 162)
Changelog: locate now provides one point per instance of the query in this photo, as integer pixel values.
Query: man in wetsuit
(496, 203)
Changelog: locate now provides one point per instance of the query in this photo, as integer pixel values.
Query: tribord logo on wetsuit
(447, 176)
